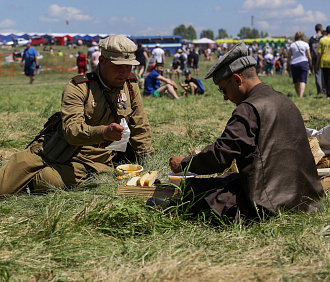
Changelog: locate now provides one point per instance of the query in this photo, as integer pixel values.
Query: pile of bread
(146, 180)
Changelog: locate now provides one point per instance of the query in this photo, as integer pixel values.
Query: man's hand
(112, 132)
(174, 85)
(175, 164)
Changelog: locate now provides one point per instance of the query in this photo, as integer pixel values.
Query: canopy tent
(203, 40)
(260, 41)
(59, 37)
(204, 43)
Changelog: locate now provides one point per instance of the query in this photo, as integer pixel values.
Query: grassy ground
(89, 233)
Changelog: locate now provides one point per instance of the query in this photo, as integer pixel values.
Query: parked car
(9, 43)
(38, 41)
(20, 42)
(17, 42)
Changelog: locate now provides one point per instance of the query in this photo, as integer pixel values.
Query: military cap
(119, 50)
(235, 60)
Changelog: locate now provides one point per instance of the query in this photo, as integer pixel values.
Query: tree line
(190, 33)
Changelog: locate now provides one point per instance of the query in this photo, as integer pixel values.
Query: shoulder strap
(84, 78)
(81, 78)
(301, 52)
(131, 79)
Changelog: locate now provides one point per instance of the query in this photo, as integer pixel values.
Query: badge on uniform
(119, 98)
(124, 98)
(121, 101)
(94, 103)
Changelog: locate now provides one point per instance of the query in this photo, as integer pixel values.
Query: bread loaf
(133, 181)
(140, 181)
(151, 179)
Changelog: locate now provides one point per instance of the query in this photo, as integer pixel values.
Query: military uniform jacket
(84, 116)
(267, 137)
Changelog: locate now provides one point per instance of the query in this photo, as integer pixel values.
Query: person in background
(190, 85)
(194, 61)
(176, 66)
(269, 60)
(260, 63)
(90, 52)
(152, 82)
(259, 133)
(142, 58)
(313, 43)
(159, 54)
(323, 60)
(95, 58)
(279, 64)
(299, 61)
(82, 62)
(184, 59)
(30, 60)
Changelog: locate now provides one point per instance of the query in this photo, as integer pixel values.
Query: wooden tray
(159, 191)
(325, 181)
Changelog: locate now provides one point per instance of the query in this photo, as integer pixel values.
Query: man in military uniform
(97, 111)
(267, 137)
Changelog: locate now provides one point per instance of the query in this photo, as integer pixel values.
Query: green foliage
(185, 32)
(248, 33)
(208, 33)
(263, 34)
(222, 34)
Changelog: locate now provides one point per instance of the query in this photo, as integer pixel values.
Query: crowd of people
(297, 59)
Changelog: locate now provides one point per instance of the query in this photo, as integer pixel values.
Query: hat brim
(126, 62)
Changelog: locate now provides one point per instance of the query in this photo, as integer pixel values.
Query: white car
(17, 42)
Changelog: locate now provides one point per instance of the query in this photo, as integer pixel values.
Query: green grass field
(89, 233)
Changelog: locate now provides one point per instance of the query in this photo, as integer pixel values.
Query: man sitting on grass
(267, 137)
(102, 121)
(152, 83)
(191, 85)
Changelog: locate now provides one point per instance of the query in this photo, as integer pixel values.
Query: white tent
(203, 40)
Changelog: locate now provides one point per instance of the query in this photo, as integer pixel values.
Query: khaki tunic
(83, 119)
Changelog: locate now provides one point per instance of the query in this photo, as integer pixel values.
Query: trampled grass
(89, 233)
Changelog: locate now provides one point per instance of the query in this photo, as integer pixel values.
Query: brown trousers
(27, 166)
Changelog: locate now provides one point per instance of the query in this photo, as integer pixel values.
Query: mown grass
(89, 233)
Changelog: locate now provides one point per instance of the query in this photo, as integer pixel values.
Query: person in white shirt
(95, 58)
(159, 54)
(299, 61)
(269, 59)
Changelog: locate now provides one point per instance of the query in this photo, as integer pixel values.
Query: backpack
(269, 61)
(200, 85)
(313, 42)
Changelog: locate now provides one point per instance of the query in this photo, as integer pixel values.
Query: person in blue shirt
(30, 57)
(152, 82)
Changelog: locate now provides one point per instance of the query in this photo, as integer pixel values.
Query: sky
(156, 17)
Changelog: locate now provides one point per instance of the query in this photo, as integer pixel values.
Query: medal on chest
(122, 101)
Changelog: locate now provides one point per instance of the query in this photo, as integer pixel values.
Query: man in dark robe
(267, 138)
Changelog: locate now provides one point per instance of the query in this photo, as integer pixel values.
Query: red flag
(67, 22)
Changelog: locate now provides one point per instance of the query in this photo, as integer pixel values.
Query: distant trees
(222, 33)
(185, 32)
(248, 33)
(208, 33)
(190, 33)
